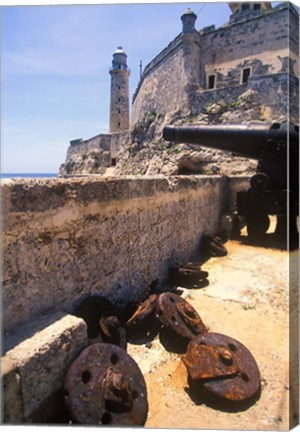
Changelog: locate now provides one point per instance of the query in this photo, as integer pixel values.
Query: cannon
(274, 189)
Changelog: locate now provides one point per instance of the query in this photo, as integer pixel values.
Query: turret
(188, 21)
(119, 95)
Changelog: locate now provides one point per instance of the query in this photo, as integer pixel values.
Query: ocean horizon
(27, 175)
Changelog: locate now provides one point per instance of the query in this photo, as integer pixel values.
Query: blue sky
(55, 61)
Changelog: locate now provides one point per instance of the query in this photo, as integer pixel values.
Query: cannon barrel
(244, 140)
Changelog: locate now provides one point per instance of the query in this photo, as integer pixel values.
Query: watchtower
(119, 94)
(188, 21)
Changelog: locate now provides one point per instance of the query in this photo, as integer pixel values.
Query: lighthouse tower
(119, 94)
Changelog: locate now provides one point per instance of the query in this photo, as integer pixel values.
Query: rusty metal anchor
(223, 367)
(178, 315)
(104, 386)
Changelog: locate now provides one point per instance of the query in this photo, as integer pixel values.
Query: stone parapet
(34, 366)
(66, 239)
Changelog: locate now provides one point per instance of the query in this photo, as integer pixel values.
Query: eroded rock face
(92, 162)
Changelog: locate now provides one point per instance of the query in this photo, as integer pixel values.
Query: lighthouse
(119, 94)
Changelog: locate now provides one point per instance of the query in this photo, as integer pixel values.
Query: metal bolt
(226, 356)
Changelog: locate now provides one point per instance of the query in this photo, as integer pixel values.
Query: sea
(27, 175)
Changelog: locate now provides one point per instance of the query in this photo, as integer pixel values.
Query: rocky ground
(248, 299)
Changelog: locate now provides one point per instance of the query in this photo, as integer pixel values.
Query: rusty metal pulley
(223, 367)
(188, 275)
(104, 386)
(143, 324)
(178, 315)
(144, 312)
(112, 331)
(213, 246)
(103, 324)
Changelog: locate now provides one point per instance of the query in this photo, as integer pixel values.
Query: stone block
(11, 400)
(42, 355)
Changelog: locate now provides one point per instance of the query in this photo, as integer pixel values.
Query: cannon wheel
(257, 225)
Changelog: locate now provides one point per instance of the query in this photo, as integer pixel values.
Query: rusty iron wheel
(143, 325)
(143, 312)
(104, 386)
(178, 315)
(188, 275)
(223, 367)
(103, 324)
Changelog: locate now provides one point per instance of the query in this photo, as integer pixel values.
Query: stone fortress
(67, 239)
(245, 71)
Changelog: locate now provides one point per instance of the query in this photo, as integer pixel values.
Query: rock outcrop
(147, 153)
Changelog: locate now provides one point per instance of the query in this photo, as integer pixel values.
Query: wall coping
(40, 195)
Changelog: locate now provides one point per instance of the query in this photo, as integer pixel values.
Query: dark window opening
(245, 75)
(211, 81)
(119, 124)
(113, 162)
(256, 6)
(245, 6)
(187, 171)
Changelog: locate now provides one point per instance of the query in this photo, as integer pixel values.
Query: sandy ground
(247, 298)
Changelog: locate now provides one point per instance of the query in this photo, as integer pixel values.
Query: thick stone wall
(178, 78)
(163, 85)
(102, 141)
(110, 143)
(282, 100)
(66, 239)
(260, 43)
(293, 25)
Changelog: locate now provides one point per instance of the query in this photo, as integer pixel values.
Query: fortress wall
(293, 95)
(276, 93)
(66, 239)
(106, 142)
(117, 141)
(250, 43)
(163, 85)
(293, 26)
(102, 141)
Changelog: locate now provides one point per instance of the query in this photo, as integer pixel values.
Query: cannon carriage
(274, 189)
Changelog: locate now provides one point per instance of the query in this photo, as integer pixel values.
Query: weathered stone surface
(11, 398)
(66, 239)
(42, 352)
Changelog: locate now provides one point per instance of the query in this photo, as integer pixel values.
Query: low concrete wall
(66, 239)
